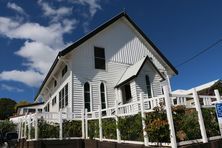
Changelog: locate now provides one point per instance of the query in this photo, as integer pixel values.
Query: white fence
(144, 105)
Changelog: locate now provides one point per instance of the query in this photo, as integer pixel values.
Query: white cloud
(51, 35)
(16, 8)
(40, 49)
(11, 88)
(55, 14)
(39, 56)
(93, 5)
(29, 77)
(42, 42)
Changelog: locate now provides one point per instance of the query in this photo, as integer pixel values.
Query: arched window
(103, 96)
(87, 96)
(148, 87)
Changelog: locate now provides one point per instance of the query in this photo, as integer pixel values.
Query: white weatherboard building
(116, 61)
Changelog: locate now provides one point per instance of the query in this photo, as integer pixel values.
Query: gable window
(148, 86)
(64, 70)
(63, 97)
(103, 96)
(99, 55)
(54, 101)
(87, 96)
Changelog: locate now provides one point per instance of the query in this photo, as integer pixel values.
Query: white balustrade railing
(143, 105)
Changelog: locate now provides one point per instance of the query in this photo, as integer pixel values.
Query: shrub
(109, 128)
(157, 127)
(93, 129)
(210, 121)
(186, 123)
(131, 127)
(7, 126)
(47, 130)
(72, 128)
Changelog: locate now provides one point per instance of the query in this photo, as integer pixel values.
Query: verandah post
(25, 128)
(145, 135)
(29, 126)
(200, 116)
(100, 124)
(218, 97)
(83, 123)
(19, 129)
(60, 124)
(117, 120)
(86, 122)
(36, 125)
(170, 116)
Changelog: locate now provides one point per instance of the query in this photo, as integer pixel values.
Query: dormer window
(99, 55)
(64, 70)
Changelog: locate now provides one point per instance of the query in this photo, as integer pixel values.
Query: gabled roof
(133, 71)
(94, 32)
(198, 88)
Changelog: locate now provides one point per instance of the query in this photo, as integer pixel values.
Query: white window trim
(90, 91)
(151, 86)
(105, 89)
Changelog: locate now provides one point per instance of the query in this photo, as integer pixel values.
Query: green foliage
(210, 121)
(186, 123)
(7, 126)
(93, 129)
(72, 128)
(131, 127)
(109, 128)
(21, 103)
(7, 108)
(47, 130)
(157, 126)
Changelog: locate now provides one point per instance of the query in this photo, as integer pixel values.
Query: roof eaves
(134, 76)
(48, 75)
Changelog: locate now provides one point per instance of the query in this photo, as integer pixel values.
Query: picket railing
(144, 105)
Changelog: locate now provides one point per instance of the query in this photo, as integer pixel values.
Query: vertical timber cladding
(122, 49)
(154, 79)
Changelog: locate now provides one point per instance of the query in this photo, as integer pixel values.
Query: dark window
(87, 96)
(60, 100)
(148, 86)
(66, 95)
(55, 83)
(63, 97)
(46, 108)
(99, 54)
(64, 70)
(127, 92)
(103, 97)
(54, 101)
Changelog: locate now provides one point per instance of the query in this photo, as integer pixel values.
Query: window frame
(148, 85)
(105, 95)
(54, 100)
(99, 58)
(64, 70)
(64, 96)
(90, 96)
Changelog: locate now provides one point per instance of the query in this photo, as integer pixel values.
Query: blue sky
(32, 32)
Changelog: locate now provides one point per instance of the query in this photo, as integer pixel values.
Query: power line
(199, 53)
